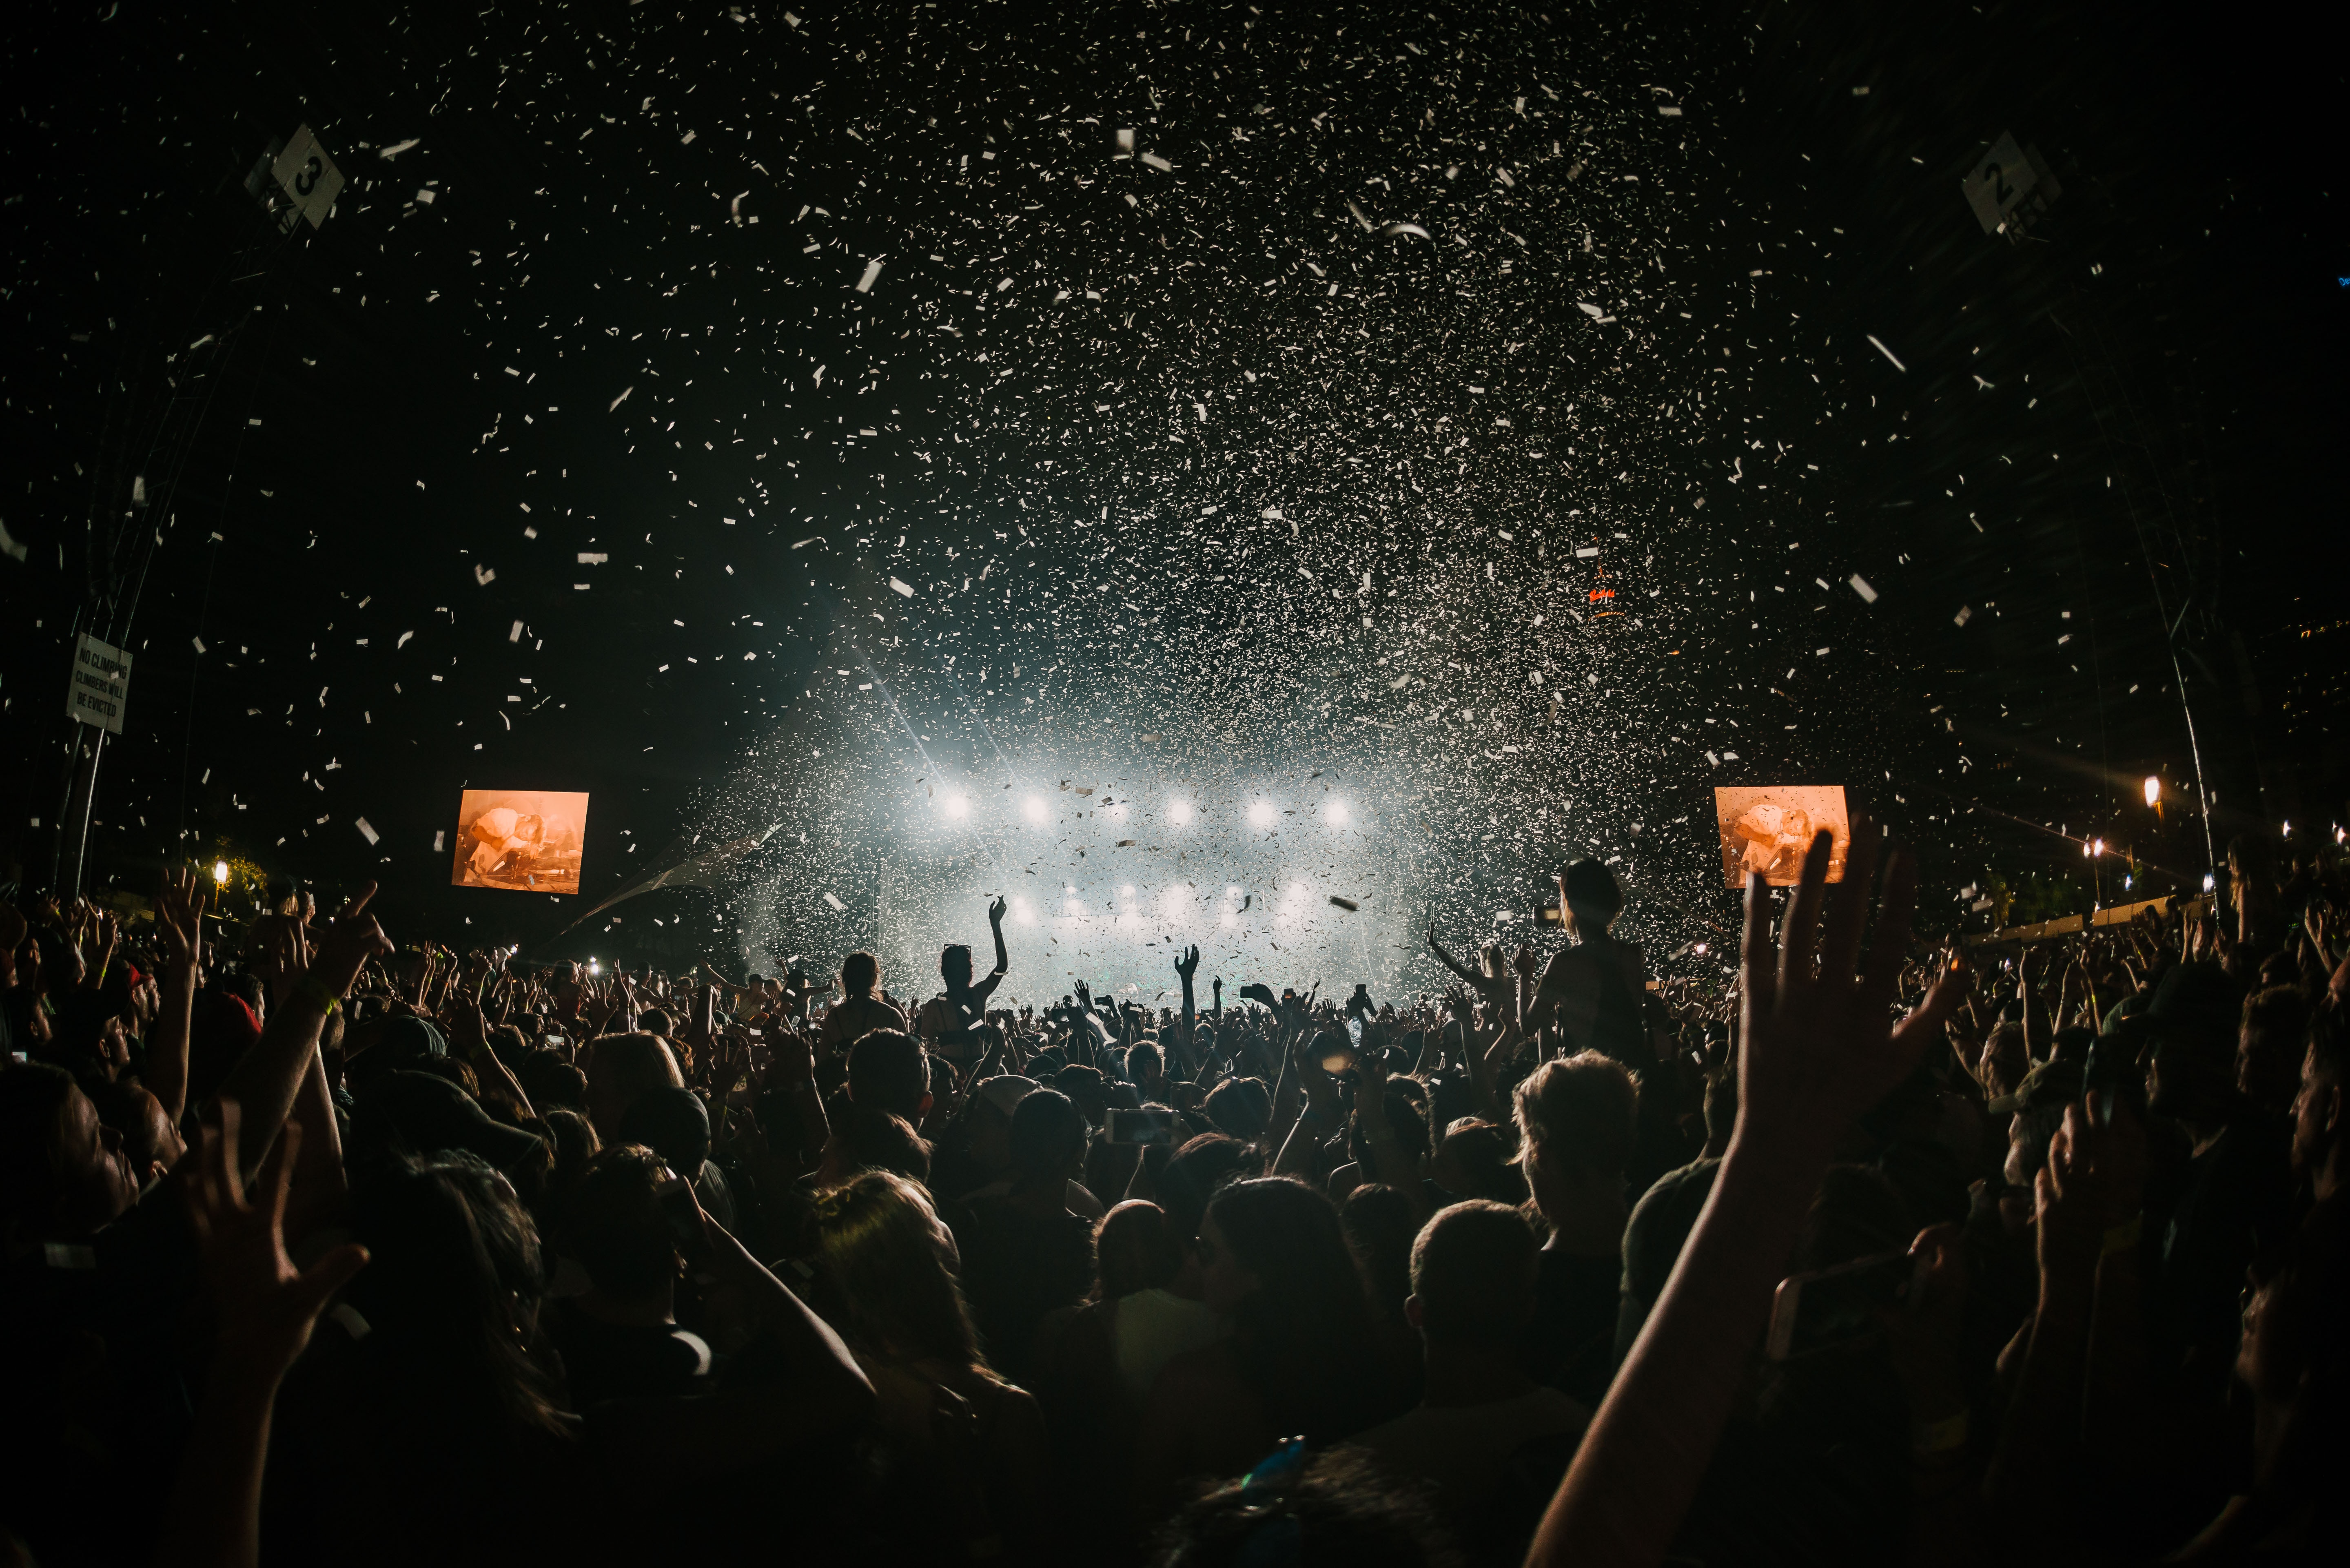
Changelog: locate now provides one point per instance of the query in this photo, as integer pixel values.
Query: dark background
(2178, 315)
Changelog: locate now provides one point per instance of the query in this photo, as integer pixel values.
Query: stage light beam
(1261, 814)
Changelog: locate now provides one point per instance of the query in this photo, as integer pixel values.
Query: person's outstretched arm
(266, 1309)
(180, 922)
(1817, 1050)
(265, 1077)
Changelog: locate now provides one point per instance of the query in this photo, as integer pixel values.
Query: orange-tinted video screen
(520, 840)
(1769, 827)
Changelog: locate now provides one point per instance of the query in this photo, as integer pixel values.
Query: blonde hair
(1580, 1112)
(878, 1238)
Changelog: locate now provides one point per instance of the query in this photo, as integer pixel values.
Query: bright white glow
(1181, 811)
(1126, 892)
(1034, 807)
(1021, 912)
(1261, 814)
(2100, 848)
(220, 872)
(2207, 881)
(958, 806)
(1068, 888)
(2153, 789)
(593, 967)
(1335, 813)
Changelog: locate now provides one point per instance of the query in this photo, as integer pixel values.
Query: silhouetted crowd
(323, 1248)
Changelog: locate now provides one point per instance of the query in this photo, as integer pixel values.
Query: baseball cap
(1006, 1090)
(2049, 1083)
(423, 1112)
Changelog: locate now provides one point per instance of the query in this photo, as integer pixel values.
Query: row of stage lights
(956, 805)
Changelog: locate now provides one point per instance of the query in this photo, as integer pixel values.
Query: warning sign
(101, 680)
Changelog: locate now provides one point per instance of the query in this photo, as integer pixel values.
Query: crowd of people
(320, 1248)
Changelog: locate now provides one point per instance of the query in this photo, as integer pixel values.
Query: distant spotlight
(1261, 814)
(1035, 808)
(1020, 912)
(1181, 811)
(958, 806)
(2153, 789)
(2285, 830)
(1126, 892)
(595, 967)
(220, 872)
(2100, 848)
(1068, 888)
(1336, 813)
(1698, 949)
(2208, 883)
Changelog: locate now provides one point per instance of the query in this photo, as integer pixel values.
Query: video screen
(1769, 827)
(520, 840)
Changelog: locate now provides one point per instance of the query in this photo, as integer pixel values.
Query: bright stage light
(1181, 811)
(220, 872)
(2153, 789)
(1021, 914)
(1261, 814)
(1034, 807)
(1126, 892)
(1335, 813)
(958, 806)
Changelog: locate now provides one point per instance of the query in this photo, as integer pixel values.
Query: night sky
(1163, 465)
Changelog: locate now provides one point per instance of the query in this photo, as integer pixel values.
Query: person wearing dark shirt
(1577, 1122)
(1027, 1253)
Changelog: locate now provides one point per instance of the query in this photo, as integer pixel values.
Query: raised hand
(995, 912)
(266, 1306)
(179, 918)
(1188, 964)
(1816, 1047)
(350, 939)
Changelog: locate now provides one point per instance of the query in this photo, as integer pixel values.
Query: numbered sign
(2008, 184)
(101, 680)
(308, 176)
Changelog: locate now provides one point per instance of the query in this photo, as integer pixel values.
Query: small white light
(2153, 789)
(220, 872)
(958, 806)
(2100, 846)
(1336, 813)
(1261, 814)
(1020, 912)
(1126, 892)
(1181, 811)
(1035, 808)
(593, 967)
(1698, 949)
(2207, 881)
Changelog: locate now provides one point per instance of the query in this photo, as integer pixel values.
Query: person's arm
(1186, 966)
(1390, 1161)
(319, 1182)
(1817, 1050)
(2035, 1469)
(1469, 977)
(1301, 1149)
(179, 922)
(267, 1076)
(266, 1309)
